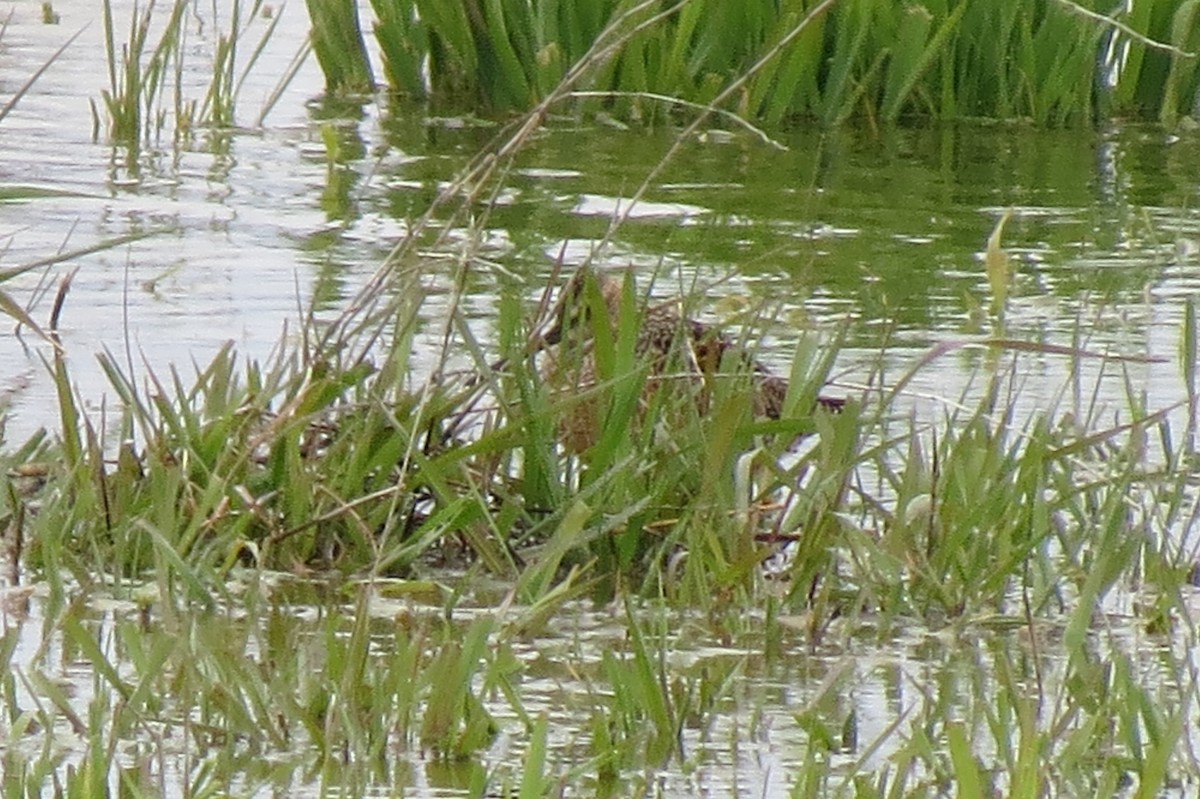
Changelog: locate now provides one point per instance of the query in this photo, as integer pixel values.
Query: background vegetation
(1053, 62)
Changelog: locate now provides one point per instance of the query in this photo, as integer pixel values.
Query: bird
(671, 346)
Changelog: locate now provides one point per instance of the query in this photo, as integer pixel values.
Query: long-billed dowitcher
(669, 344)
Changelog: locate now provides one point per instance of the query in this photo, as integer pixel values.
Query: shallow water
(762, 699)
(882, 233)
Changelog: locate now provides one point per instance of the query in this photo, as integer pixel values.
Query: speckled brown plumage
(665, 338)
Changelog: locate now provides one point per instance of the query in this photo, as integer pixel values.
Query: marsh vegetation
(366, 563)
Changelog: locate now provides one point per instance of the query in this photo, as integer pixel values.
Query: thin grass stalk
(32, 79)
(256, 10)
(363, 311)
(219, 105)
(285, 80)
(110, 49)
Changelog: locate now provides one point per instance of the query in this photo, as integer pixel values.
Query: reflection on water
(763, 699)
(883, 233)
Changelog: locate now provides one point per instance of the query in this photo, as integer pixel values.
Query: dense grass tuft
(316, 461)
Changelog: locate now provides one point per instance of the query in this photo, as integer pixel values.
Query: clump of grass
(138, 74)
(313, 460)
(329, 456)
(145, 93)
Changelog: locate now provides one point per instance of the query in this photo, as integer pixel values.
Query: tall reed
(874, 61)
(338, 42)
